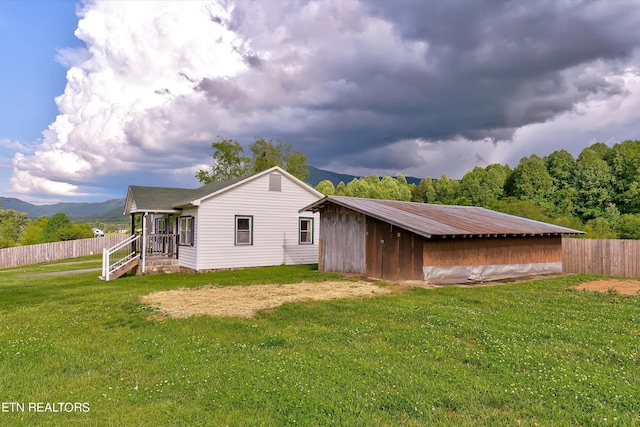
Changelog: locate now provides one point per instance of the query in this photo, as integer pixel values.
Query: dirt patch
(623, 286)
(246, 301)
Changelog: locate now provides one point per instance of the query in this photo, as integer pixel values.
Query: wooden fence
(610, 257)
(45, 252)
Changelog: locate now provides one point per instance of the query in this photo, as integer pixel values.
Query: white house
(244, 222)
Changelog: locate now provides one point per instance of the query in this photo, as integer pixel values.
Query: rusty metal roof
(442, 220)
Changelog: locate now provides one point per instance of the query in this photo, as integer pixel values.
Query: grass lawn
(536, 353)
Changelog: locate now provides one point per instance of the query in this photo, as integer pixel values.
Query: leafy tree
(624, 160)
(446, 190)
(54, 225)
(593, 183)
(612, 215)
(496, 179)
(75, 231)
(34, 233)
(425, 192)
(523, 208)
(599, 228)
(601, 149)
(404, 188)
(267, 155)
(12, 225)
(229, 162)
(361, 187)
(560, 165)
(326, 187)
(471, 189)
(569, 222)
(481, 185)
(532, 182)
(342, 190)
(389, 189)
(629, 227)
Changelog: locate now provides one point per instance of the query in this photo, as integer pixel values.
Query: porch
(162, 245)
(142, 254)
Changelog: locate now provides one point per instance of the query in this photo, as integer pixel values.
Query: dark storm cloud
(489, 55)
(487, 69)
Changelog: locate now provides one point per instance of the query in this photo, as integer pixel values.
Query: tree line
(597, 192)
(17, 229)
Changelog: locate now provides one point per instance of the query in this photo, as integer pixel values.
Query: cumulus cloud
(126, 94)
(420, 88)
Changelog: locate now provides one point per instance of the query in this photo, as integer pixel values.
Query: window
(161, 226)
(305, 231)
(186, 231)
(244, 230)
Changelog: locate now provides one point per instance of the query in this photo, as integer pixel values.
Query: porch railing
(119, 256)
(162, 245)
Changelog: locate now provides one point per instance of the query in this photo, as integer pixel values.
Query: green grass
(535, 353)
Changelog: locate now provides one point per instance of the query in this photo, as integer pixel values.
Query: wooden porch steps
(123, 269)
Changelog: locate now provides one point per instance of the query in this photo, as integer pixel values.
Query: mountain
(317, 175)
(111, 209)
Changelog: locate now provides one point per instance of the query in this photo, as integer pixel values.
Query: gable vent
(275, 182)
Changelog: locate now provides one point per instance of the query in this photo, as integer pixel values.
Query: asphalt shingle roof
(166, 199)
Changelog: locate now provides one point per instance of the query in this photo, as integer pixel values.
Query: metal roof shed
(437, 243)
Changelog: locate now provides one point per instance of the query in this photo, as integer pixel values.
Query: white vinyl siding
(187, 255)
(275, 226)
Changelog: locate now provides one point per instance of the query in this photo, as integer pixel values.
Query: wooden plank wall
(398, 258)
(45, 252)
(610, 257)
(342, 240)
(492, 251)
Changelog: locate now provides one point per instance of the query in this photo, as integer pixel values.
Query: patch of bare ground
(622, 286)
(246, 301)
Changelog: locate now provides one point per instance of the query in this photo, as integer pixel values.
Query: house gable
(213, 190)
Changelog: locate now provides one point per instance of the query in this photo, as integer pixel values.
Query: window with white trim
(244, 230)
(305, 231)
(186, 230)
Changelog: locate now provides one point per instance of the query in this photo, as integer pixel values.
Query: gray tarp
(483, 273)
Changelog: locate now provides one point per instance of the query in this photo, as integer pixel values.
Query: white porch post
(105, 264)
(143, 255)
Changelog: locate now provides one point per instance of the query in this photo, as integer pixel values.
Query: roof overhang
(155, 211)
(327, 200)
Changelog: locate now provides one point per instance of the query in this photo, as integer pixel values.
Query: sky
(99, 95)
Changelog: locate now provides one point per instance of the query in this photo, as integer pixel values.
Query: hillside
(108, 210)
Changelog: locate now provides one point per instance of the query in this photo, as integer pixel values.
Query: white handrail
(107, 267)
